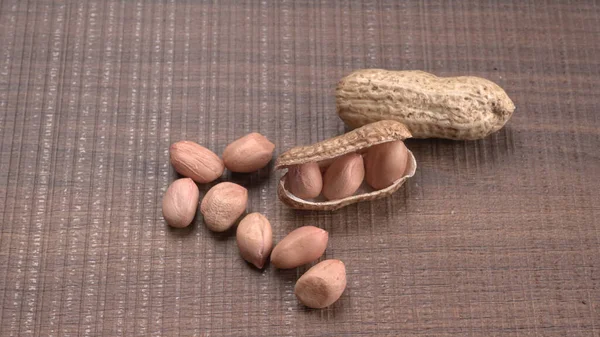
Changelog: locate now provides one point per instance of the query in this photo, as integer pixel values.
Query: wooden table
(497, 237)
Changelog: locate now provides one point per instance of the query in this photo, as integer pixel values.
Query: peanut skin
(305, 180)
(180, 203)
(343, 177)
(255, 239)
(301, 246)
(385, 163)
(461, 108)
(194, 161)
(222, 205)
(249, 153)
(321, 285)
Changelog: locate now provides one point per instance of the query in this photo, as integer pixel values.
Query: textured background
(498, 237)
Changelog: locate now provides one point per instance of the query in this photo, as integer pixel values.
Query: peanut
(301, 246)
(180, 203)
(255, 239)
(249, 153)
(305, 180)
(222, 205)
(385, 163)
(343, 177)
(321, 285)
(195, 161)
(460, 108)
(332, 150)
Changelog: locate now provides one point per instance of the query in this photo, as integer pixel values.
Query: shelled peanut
(367, 163)
(301, 246)
(322, 285)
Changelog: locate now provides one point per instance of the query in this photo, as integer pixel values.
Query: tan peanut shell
(357, 140)
(462, 108)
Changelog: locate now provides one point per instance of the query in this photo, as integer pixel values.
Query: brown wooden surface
(498, 237)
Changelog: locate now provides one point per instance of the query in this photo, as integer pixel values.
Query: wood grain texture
(498, 237)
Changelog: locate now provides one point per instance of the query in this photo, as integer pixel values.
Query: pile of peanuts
(226, 202)
(370, 162)
(379, 167)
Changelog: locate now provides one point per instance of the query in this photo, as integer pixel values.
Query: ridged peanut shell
(357, 140)
(194, 161)
(301, 246)
(461, 108)
(321, 285)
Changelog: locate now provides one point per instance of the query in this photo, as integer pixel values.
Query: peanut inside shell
(325, 152)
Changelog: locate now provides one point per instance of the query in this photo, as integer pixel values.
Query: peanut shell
(357, 140)
(461, 108)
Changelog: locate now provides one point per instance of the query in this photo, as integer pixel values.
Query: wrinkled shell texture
(249, 153)
(463, 107)
(194, 161)
(301, 246)
(343, 177)
(385, 163)
(355, 140)
(322, 285)
(254, 238)
(180, 203)
(222, 205)
(305, 180)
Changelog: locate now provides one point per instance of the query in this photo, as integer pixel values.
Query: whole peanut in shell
(301, 246)
(222, 205)
(385, 163)
(321, 285)
(462, 108)
(249, 153)
(305, 180)
(254, 238)
(180, 203)
(343, 177)
(325, 152)
(194, 161)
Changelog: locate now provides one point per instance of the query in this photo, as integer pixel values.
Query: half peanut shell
(357, 140)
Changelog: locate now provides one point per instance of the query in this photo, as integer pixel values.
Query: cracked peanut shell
(323, 153)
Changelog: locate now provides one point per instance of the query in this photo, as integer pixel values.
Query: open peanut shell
(357, 140)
